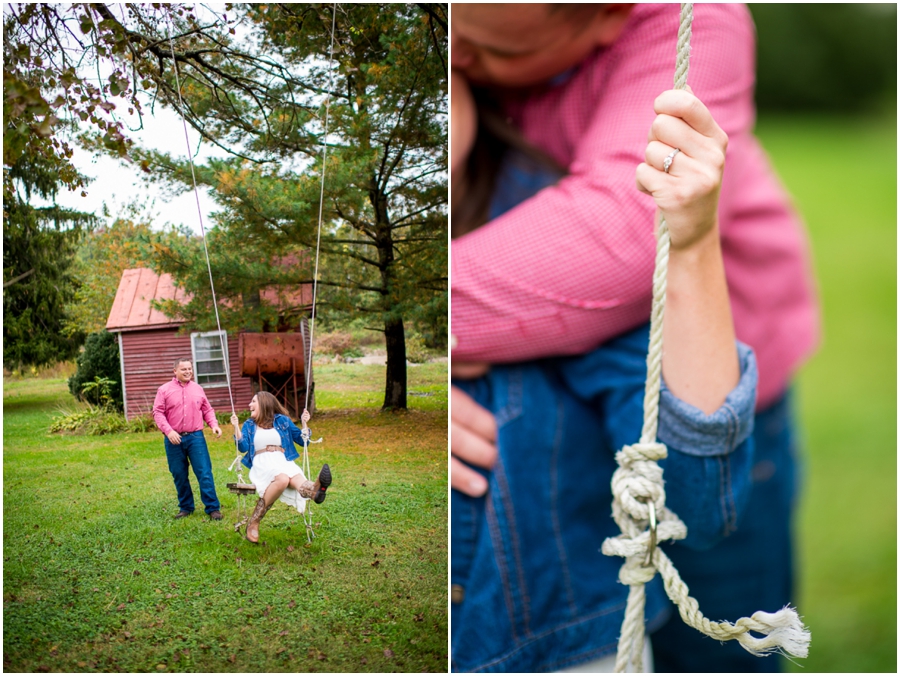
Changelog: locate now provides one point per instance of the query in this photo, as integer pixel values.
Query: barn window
(210, 352)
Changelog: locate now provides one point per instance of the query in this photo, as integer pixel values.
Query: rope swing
(639, 497)
(241, 487)
(307, 514)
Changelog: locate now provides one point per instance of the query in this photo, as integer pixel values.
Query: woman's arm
(699, 361)
(296, 433)
(242, 436)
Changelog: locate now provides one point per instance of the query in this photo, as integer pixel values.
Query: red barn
(149, 343)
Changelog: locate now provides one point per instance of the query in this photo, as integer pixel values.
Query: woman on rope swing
(267, 440)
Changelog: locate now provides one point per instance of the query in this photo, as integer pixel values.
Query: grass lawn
(843, 176)
(98, 577)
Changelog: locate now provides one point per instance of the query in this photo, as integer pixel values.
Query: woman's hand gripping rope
(305, 431)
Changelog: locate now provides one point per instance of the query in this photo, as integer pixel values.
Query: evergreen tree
(38, 248)
(257, 81)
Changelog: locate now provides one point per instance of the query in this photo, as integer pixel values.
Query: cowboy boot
(252, 533)
(315, 490)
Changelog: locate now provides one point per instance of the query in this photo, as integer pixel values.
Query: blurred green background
(827, 99)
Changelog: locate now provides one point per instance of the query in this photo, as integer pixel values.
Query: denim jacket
(532, 591)
(287, 430)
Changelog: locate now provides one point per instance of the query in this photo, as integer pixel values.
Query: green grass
(843, 176)
(98, 577)
(362, 386)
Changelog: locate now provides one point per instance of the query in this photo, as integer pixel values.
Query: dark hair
(178, 363)
(269, 407)
(495, 137)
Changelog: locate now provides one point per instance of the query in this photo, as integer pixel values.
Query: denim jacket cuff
(688, 429)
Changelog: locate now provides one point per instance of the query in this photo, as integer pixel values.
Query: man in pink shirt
(179, 410)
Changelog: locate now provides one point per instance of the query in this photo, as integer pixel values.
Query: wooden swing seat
(242, 489)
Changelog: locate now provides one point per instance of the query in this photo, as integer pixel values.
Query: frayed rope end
(783, 633)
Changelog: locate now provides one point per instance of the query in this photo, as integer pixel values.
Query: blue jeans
(192, 451)
(750, 570)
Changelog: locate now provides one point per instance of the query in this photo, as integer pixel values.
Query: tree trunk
(395, 384)
(394, 336)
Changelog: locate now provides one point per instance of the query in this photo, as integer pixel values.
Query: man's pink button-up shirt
(182, 407)
(572, 267)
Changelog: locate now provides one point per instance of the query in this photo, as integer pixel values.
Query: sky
(119, 183)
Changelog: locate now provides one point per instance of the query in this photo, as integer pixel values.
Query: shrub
(60, 369)
(369, 338)
(97, 420)
(337, 342)
(224, 418)
(416, 350)
(100, 359)
(143, 423)
(92, 421)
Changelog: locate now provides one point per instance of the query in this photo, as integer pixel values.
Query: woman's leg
(298, 483)
(276, 488)
(313, 490)
(273, 492)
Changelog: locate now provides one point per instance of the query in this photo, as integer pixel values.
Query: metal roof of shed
(131, 308)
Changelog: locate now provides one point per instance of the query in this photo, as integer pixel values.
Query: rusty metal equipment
(277, 363)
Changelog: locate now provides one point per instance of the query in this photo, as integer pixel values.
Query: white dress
(266, 466)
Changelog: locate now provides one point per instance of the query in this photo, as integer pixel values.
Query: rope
(312, 323)
(187, 141)
(639, 497)
(307, 513)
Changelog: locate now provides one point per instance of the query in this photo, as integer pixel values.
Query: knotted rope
(639, 497)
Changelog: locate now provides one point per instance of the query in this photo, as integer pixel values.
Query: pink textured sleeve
(159, 411)
(209, 415)
(572, 266)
